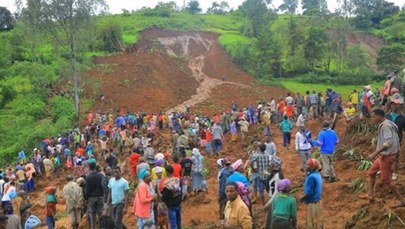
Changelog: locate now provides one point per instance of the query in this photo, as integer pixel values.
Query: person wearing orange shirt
(134, 161)
(176, 167)
(280, 109)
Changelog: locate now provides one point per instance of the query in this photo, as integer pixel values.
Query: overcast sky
(116, 6)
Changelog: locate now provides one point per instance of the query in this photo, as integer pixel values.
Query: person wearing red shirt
(208, 139)
(134, 161)
(176, 167)
(80, 151)
(280, 109)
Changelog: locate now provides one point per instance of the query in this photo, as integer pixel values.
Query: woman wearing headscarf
(284, 207)
(143, 202)
(30, 178)
(32, 222)
(197, 175)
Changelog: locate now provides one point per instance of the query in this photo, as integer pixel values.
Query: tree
(390, 57)
(295, 36)
(193, 7)
(315, 7)
(218, 8)
(111, 37)
(256, 14)
(268, 57)
(337, 43)
(346, 8)
(289, 6)
(315, 44)
(69, 22)
(6, 19)
(369, 13)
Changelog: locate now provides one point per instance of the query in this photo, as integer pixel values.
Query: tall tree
(6, 19)
(315, 44)
(268, 58)
(256, 14)
(337, 43)
(218, 8)
(315, 7)
(289, 6)
(295, 36)
(390, 57)
(69, 22)
(193, 7)
(370, 13)
(346, 8)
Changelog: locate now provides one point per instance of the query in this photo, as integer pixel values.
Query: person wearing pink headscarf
(284, 207)
(238, 174)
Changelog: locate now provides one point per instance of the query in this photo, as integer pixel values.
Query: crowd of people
(165, 173)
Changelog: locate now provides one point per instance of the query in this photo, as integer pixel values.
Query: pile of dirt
(171, 70)
(370, 42)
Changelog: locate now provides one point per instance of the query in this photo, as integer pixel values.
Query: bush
(110, 37)
(314, 78)
(28, 105)
(62, 110)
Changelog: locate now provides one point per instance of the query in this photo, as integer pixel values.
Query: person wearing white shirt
(300, 121)
(273, 110)
(303, 147)
(271, 149)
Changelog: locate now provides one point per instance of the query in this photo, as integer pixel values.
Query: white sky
(116, 6)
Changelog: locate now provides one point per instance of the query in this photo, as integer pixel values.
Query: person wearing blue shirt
(312, 194)
(286, 127)
(237, 175)
(223, 176)
(118, 197)
(327, 141)
(21, 156)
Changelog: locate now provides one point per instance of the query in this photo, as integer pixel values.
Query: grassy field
(344, 90)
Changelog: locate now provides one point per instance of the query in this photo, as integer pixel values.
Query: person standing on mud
(94, 194)
(312, 195)
(327, 141)
(223, 176)
(236, 212)
(388, 147)
(118, 197)
(74, 201)
(218, 136)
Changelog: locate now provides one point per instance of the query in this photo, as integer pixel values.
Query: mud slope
(370, 42)
(171, 70)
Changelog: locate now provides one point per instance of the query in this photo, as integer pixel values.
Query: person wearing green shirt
(284, 207)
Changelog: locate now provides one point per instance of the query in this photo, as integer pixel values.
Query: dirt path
(196, 65)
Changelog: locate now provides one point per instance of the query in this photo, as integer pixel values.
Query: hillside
(171, 70)
(189, 66)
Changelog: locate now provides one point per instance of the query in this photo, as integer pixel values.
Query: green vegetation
(344, 90)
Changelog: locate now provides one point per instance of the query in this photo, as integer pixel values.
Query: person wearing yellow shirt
(350, 111)
(354, 98)
(236, 212)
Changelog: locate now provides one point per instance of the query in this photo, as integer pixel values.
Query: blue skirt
(199, 182)
(30, 185)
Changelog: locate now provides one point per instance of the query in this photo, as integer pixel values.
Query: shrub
(110, 36)
(63, 110)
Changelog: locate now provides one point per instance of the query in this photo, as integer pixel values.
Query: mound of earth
(171, 70)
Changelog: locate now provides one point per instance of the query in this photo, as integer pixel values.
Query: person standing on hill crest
(388, 147)
(327, 141)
